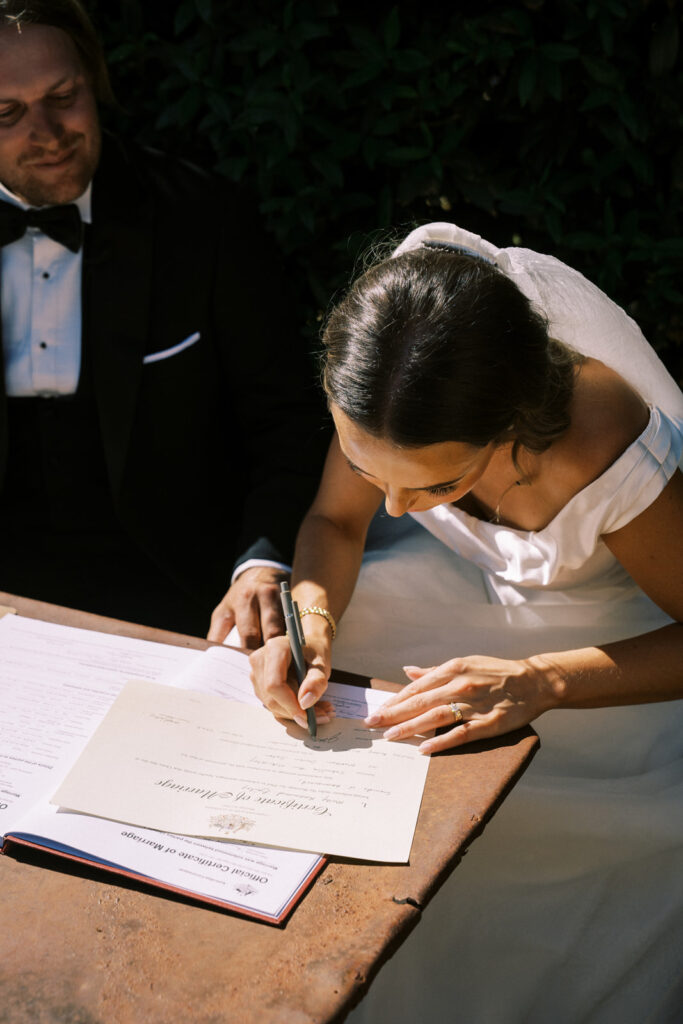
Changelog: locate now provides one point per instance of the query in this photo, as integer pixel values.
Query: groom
(159, 427)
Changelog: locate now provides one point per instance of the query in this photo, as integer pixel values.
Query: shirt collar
(84, 202)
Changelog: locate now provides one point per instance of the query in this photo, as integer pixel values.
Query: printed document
(197, 764)
(56, 684)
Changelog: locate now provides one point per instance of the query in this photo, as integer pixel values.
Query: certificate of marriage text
(196, 764)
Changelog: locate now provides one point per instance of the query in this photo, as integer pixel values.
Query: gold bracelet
(315, 609)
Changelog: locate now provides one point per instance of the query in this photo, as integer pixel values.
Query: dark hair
(71, 18)
(437, 345)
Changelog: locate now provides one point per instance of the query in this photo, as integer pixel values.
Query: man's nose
(45, 125)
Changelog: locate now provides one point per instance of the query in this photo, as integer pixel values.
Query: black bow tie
(61, 223)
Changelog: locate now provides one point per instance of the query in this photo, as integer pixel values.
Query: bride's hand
(478, 697)
(274, 679)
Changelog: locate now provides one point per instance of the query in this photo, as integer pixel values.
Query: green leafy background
(553, 125)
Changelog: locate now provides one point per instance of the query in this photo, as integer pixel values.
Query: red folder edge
(11, 841)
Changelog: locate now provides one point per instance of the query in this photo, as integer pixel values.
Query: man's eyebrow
(51, 88)
(62, 80)
(429, 487)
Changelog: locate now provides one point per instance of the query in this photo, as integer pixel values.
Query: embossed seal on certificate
(231, 823)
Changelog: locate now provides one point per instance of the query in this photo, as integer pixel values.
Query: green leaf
(367, 73)
(641, 163)
(183, 111)
(436, 167)
(290, 127)
(219, 105)
(372, 149)
(601, 71)
(410, 60)
(558, 52)
(584, 240)
(426, 133)
(188, 68)
(389, 124)
(184, 17)
(526, 83)
(552, 81)
(670, 248)
(519, 202)
(234, 168)
(205, 11)
(629, 117)
(406, 154)
(363, 40)
(392, 92)
(329, 169)
(122, 52)
(267, 52)
(254, 40)
(307, 218)
(606, 35)
(517, 21)
(553, 225)
(392, 29)
(596, 99)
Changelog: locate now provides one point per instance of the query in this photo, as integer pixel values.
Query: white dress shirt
(41, 310)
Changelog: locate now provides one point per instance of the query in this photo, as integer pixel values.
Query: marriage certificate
(197, 764)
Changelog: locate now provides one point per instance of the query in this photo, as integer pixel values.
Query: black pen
(296, 641)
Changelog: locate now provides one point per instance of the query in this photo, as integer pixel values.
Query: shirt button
(43, 344)
(45, 275)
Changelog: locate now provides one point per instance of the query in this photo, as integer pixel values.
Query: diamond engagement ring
(456, 712)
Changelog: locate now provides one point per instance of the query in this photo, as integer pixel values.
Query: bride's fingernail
(307, 701)
(410, 668)
(392, 734)
(301, 721)
(373, 719)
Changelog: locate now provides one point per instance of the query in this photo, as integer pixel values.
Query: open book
(56, 685)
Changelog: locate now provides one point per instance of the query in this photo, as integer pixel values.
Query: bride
(519, 417)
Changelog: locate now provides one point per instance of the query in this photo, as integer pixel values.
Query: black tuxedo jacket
(213, 448)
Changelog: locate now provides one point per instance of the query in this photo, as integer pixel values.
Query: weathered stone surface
(78, 946)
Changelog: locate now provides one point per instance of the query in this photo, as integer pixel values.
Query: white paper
(220, 671)
(251, 878)
(56, 684)
(199, 765)
(225, 673)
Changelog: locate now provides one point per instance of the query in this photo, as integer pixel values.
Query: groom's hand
(253, 605)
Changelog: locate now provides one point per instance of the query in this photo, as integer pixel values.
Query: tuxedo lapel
(117, 279)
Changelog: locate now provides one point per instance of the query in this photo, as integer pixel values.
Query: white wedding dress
(569, 908)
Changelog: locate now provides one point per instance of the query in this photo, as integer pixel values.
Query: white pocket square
(166, 353)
